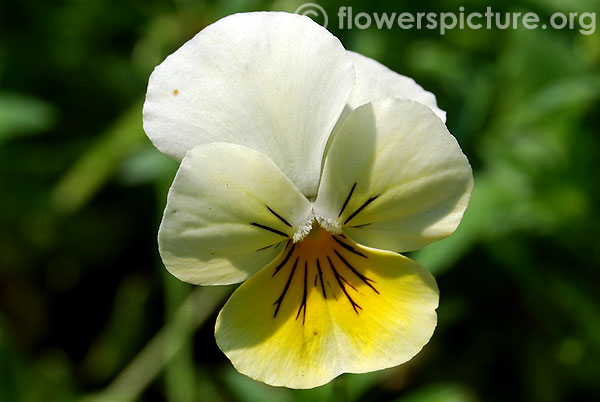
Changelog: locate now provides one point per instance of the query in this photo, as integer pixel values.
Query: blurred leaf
(207, 388)
(165, 345)
(97, 165)
(146, 164)
(553, 6)
(578, 92)
(357, 385)
(442, 392)
(325, 392)
(477, 222)
(22, 115)
(179, 373)
(246, 389)
(438, 59)
(122, 333)
(49, 377)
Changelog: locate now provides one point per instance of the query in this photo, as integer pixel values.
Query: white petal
(230, 211)
(395, 178)
(376, 81)
(274, 82)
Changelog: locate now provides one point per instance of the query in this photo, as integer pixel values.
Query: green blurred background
(88, 312)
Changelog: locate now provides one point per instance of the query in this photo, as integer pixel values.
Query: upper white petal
(376, 81)
(274, 82)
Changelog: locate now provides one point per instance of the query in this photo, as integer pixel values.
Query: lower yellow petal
(327, 306)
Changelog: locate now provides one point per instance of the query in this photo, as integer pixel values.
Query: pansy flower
(305, 171)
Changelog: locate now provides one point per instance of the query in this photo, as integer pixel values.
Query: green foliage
(87, 311)
(23, 115)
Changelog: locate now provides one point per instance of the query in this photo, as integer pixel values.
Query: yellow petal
(327, 306)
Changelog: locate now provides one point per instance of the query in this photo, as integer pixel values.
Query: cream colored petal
(395, 178)
(375, 81)
(298, 323)
(230, 211)
(274, 82)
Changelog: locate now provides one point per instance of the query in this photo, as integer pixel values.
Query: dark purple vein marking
(340, 281)
(348, 283)
(348, 247)
(361, 225)
(275, 245)
(321, 278)
(370, 200)
(285, 289)
(358, 274)
(278, 216)
(287, 257)
(279, 232)
(347, 199)
(266, 247)
(303, 304)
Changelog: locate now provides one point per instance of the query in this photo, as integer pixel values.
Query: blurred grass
(88, 311)
(99, 162)
(165, 349)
